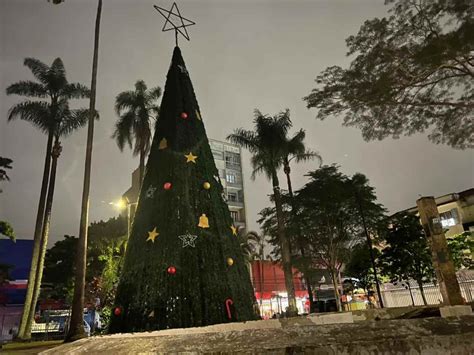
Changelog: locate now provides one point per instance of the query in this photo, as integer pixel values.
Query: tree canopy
(461, 247)
(412, 71)
(407, 254)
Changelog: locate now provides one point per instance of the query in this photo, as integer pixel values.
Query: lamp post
(122, 204)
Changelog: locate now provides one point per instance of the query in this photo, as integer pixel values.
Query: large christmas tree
(183, 266)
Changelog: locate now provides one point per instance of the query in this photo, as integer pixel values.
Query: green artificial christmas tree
(183, 266)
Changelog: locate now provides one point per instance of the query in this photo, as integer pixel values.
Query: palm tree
(295, 149)
(135, 109)
(51, 83)
(70, 120)
(265, 144)
(76, 327)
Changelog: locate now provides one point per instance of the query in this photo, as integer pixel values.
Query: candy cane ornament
(228, 303)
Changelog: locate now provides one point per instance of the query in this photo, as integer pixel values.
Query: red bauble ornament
(171, 270)
(167, 186)
(184, 115)
(117, 311)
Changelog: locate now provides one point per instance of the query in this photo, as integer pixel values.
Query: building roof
(466, 196)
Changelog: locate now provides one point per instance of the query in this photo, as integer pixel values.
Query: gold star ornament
(152, 235)
(234, 230)
(190, 158)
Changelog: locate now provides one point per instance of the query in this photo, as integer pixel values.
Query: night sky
(243, 55)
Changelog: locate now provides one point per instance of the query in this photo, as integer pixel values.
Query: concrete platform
(293, 336)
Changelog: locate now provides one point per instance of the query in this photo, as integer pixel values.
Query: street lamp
(121, 204)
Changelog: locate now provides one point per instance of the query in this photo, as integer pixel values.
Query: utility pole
(442, 262)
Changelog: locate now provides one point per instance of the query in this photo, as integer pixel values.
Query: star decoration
(163, 144)
(190, 158)
(177, 27)
(152, 235)
(188, 240)
(234, 230)
(150, 192)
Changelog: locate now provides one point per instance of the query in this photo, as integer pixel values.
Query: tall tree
(59, 268)
(412, 71)
(295, 149)
(370, 216)
(327, 215)
(265, 144)
(136, 109)
(49, 117)
(359, 265)
(326, 220)
(68, 121)
(407, 254)
(76, 328)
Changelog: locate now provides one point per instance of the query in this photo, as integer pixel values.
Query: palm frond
(154, 93)
(35, 112)
(123, 130)
(38, 68)
(76, 91)
(307, 156)
(155, 110)
(73, 120)
(56, 76)
(28, 89)
(140, 86)
(245, 139)
(142, 134)
(295, 145)
(261, 165)
(126, 100)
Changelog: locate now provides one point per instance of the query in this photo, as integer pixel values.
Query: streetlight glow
(120, 204)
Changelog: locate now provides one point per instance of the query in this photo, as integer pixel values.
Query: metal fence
(410, 294)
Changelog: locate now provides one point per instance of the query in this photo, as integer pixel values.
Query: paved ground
(28, 348)
(302, 336)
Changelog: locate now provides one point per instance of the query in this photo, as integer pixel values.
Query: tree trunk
(422, 291)
(287, 170)
(36, 243)
(44, 238)
(336, 290)
(411, 294)
(371, 251)
(142, 166)
(76, 327)
(285, 247)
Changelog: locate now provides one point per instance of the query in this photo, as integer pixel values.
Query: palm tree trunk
(44, 238)
(422, 291)
(36, 242)
(285, 247)
(142, 166)
(287, 170)
(76, 327)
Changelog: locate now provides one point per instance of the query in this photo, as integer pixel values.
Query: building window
(232, 197)
(449, 218)
(232, 159)
(218, 155)
(234, 215)
(231, 178)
